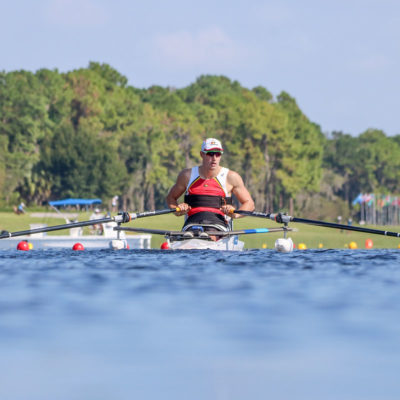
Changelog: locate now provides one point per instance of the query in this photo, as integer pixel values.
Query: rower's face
(211, 159)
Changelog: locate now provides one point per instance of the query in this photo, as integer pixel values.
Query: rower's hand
(228, 209)
(182, 209)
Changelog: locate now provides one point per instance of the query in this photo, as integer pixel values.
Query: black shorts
(207, 218)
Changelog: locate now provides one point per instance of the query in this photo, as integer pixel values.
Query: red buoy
(78, 246)
(164, 246)
(24, 245)
(369, 244)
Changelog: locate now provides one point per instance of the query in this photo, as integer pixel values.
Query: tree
(24, 117)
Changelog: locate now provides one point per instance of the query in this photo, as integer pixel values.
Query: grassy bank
(311, 236)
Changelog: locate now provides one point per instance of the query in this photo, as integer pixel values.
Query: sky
(340, 59)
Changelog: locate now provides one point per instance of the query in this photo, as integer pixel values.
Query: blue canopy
(74, 202)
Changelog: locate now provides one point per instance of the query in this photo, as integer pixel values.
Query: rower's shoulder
(233, 176)
(184, 175)
(185, 172)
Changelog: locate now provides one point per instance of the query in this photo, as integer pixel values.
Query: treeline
(87, 133)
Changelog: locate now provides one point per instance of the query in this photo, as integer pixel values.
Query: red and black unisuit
(206, 197)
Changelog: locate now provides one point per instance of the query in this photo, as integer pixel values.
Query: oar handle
(277, 217)
(251, 213)
(155, 212)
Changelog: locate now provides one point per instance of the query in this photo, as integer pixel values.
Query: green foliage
(368, 163)
(303, 150)
(262, 93)
(24, 122)
(82, 164)
(110, 75)
(88, 133)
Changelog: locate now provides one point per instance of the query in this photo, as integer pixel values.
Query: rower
(208, 190)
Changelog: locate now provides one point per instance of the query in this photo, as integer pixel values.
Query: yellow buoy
(302, 246)
(320, 246)
(398, 246)
(264, 245)
(353, 245)
(30, 246)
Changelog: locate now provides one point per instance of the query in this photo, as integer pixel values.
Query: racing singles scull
(199, 239)
(200, 236)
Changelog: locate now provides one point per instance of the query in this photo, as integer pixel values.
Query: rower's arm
(177, 191)
(241, 193)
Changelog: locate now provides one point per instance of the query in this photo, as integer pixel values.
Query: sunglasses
(214, 153)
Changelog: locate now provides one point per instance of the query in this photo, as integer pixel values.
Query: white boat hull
(228, 243)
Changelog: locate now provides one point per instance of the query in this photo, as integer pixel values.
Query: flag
(358, 199)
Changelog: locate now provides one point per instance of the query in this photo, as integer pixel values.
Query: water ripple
(181, 308)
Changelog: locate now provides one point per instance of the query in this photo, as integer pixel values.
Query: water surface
(149, 324)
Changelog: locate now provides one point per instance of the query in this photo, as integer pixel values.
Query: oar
(152, 213)
(120, 218)
(282, 218)
(195, 234)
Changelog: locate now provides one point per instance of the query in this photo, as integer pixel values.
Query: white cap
(211, 144)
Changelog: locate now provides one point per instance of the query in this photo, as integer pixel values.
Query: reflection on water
(191, 325)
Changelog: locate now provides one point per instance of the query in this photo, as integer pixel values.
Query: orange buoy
(164, 246)
(23, 245)
(78, 246)
(369, 244)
